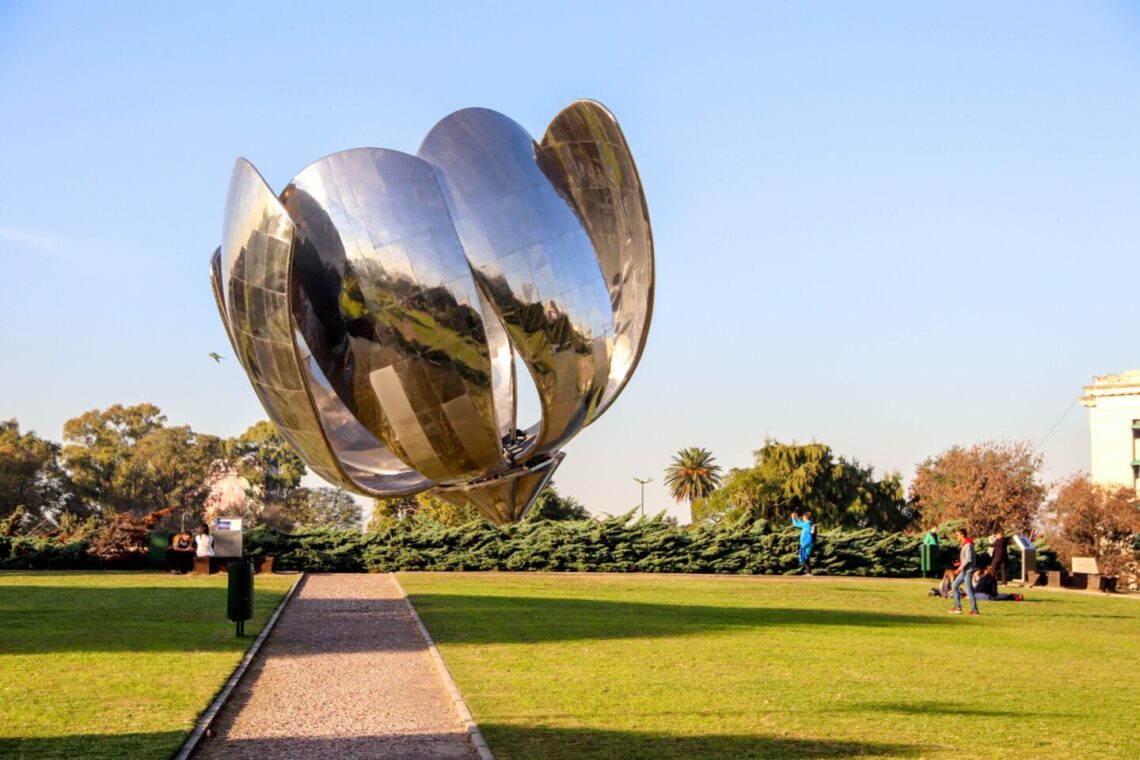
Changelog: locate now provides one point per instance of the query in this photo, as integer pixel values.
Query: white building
(1114, 428)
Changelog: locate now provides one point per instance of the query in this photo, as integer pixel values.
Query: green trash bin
(156, 549)
(930, 561)
(239, 599)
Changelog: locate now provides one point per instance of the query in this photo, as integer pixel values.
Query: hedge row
(616, 544)
(610, 545)
(40, 553)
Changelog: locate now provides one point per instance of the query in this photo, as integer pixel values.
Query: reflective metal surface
(250, 273)
(411, 358)
(586, 147)
(505, 500)
(378, 305)
(533, 258)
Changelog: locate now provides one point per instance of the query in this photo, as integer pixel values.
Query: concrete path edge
(461, 707)
(207, 717)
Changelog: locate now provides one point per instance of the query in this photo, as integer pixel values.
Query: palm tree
(692, 475)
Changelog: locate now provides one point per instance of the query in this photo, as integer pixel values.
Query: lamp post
(643, 482)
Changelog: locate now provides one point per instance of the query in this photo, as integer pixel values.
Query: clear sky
(890, 227)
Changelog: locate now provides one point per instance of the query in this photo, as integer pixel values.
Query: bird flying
(216, 356)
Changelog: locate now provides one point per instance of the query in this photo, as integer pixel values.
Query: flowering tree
(230, 493)
(990, 485)
(1091, 520)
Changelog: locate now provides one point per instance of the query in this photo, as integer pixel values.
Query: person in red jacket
(967, 560)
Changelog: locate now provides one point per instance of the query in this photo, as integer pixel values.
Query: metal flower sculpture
(378, 303)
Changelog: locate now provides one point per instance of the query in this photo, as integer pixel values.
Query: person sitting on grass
(943, 589)
(986, 588)
(967, 560)
(807, 539)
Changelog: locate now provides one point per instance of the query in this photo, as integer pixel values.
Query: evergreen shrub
(615, 544)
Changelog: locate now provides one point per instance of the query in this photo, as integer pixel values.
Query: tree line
(123, 471)
(986, 487)
(126, 460)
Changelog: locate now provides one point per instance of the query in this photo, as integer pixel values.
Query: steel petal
(253, 268)
(250, 276)
(410, 356)
(533, 260)
(587, 148)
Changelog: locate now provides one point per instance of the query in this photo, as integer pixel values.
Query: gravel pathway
(345, 674)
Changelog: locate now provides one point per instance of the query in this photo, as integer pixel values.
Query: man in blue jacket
(807, 539)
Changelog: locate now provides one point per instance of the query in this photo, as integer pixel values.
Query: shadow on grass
(150, 618)
(522, 743)
(946, 708)
(177, 617)
(507, 742)
(459, 618)
(159, 745)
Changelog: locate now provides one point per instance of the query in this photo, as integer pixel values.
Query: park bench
(1087, 575)
(209, 565)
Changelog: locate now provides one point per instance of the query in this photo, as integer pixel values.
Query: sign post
(1028, 558)
(227, 538)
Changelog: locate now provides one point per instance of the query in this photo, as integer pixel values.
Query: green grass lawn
(624, 667)
(115, 665)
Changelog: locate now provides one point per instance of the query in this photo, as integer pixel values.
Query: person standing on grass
(807, 539)
(967, 560)
(999, 548)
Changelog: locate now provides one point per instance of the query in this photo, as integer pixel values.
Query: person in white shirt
(204, 542)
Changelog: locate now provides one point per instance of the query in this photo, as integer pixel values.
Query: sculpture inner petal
(502, 371)
(533, 260)
(414, 364)
(373, 468)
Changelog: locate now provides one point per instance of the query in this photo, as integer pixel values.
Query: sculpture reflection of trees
(787, 478)
(692, 475)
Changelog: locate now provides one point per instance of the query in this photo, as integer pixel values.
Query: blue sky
(890, 227)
